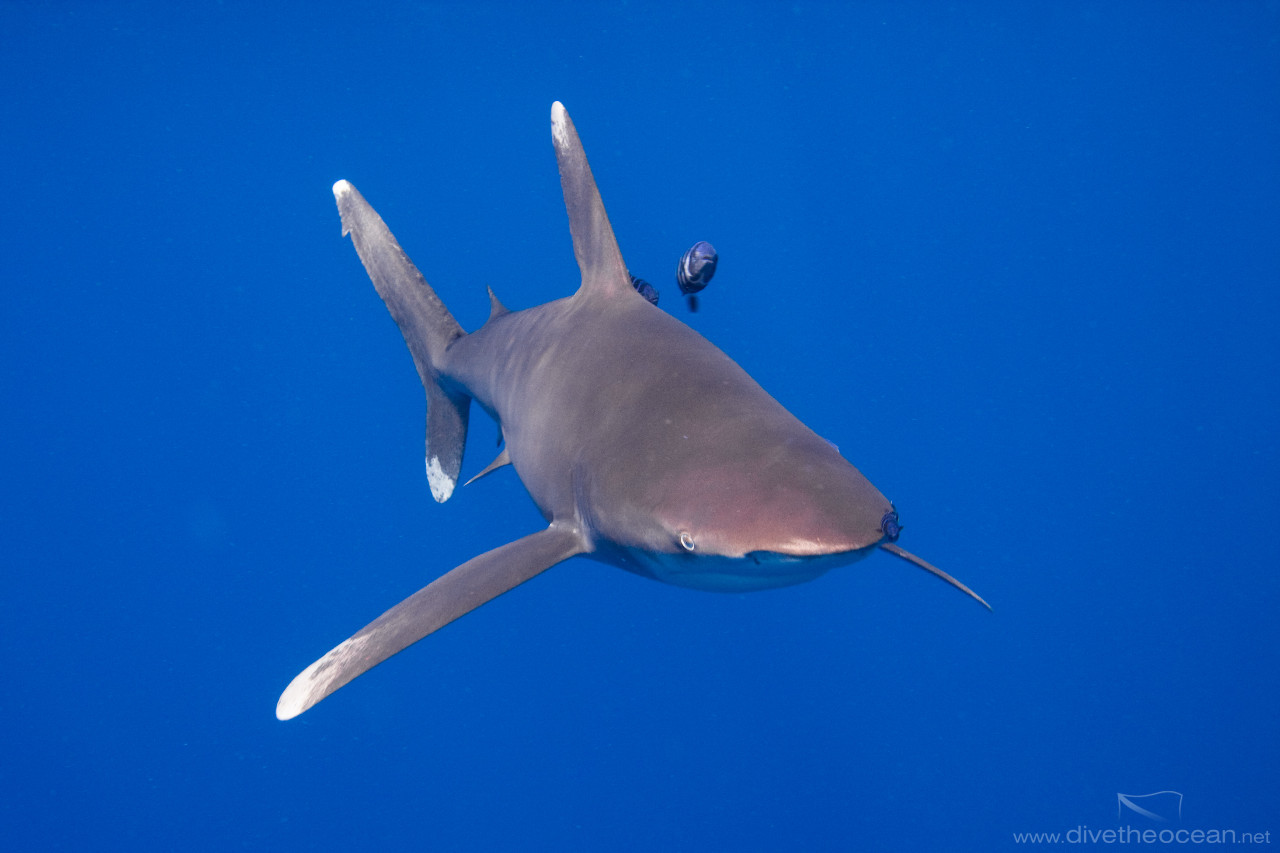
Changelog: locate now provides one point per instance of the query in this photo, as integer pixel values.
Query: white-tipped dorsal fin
(603, 271)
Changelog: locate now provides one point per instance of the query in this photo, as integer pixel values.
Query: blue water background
(1020, 261)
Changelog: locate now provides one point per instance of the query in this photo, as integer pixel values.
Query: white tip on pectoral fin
(455, 593)
(315, 682)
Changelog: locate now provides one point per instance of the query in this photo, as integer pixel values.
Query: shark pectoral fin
(594, 246)
(455, 594)
(503, 458)
(933, 570)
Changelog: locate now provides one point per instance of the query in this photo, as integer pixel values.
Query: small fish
(645, 289)
(695, 270)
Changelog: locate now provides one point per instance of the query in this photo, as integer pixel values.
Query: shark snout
(733, 516)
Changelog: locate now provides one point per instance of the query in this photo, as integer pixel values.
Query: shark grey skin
(643, 444)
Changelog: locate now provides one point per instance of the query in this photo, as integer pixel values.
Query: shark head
(783, 520)
(752, 514)
(797, 502)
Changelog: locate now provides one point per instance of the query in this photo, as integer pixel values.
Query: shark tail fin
(427, 326)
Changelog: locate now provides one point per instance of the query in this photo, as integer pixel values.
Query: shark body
(643, 445)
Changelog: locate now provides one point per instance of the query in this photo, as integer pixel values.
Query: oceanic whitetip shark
(643, 444)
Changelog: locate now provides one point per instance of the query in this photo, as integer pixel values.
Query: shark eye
(686, 540)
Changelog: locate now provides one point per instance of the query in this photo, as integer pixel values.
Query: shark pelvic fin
(503, 458)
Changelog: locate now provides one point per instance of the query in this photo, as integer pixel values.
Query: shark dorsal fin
(603, 271)
(496, 308)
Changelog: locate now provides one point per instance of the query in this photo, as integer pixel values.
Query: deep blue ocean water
(1020, 261)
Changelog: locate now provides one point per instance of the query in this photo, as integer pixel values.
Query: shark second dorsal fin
(496, 308)
(603, 271)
